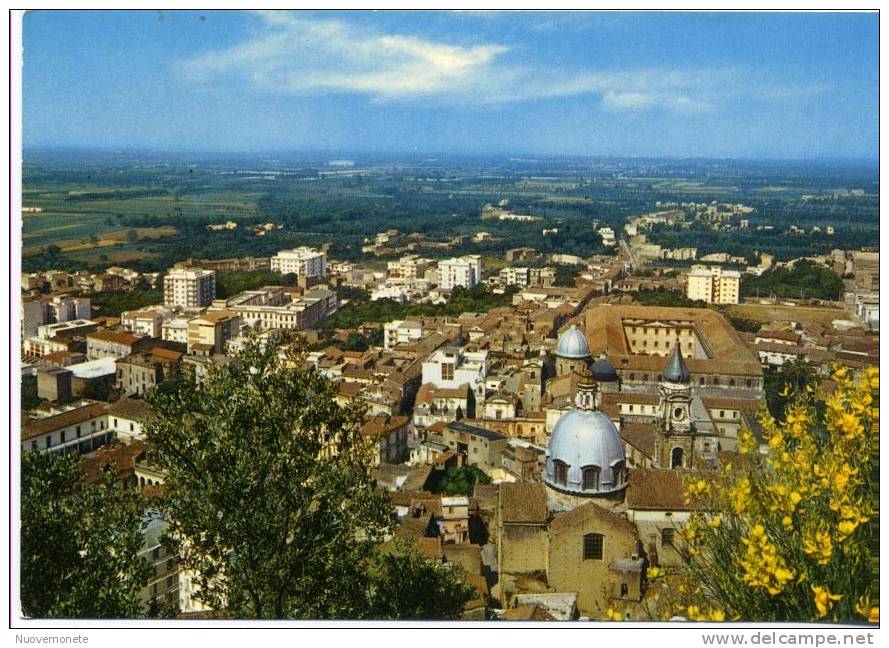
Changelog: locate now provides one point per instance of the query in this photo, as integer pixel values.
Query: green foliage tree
(407, 586)
(782, 383)
(459, 481)
(29, 398)
(79, 544)
(805, 280)
(269, 489)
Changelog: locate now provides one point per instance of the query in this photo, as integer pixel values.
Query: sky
(755, 85)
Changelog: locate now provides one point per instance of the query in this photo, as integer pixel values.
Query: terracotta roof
(36, 427)
(117, 337)
(523, 503)
(134, 409)
(588, 510)
(659, 489)
(729, 403)
(532, 612)
(605, 332)
(382, 425)
(121, 459)
(641, 436)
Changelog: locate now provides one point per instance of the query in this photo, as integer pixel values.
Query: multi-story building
(391, 433)
(138, 373)
(481, 447)
(212, 330)
(713, 285)
(460, 272)
(270, 307)
(410, 266)
(148, 321)
(302, 261)
(42, 310)
(113, 344)
(163, 581)
(81, 426)
(175, 330)
(189, 288)
(401, 332)
(453, 367)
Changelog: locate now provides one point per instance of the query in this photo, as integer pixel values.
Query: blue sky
(671, 84)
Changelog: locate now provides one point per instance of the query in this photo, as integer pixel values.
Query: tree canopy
(269, 490)
(80, 544)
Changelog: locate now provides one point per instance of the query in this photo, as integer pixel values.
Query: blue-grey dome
(573, 344)
(676, 371)
(604, 371)
(585, 442)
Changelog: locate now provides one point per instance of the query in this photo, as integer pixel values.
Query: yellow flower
(874, 616)
(840, 373)
(614, 615)
(717, 615)
(654, 572)
(787, 521)
(818, 544)
(715, 521)
(846, 528)
(824, 600)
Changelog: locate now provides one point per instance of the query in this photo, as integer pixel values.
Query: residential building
(481, 447)
(189, 288)
(391, 432)
(213, 329)
(136, 374)
(453, 367)
(454, 522)
(713, 285)
(50, 310)
(55, 384)
(401, 332)
(460, 272)
(302, 261)
(163, 581)
(148, 321)
(81, 427)
(113, 344)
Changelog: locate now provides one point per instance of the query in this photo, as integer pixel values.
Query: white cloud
(294, 53)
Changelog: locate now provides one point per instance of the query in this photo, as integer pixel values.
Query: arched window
(560, 472)
(617, 470)
(676, 458)
(593, 544)
(591, 478)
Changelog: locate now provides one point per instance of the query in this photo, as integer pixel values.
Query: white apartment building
(453, 367)
(401, 332)
(175, 330)
(40, 311)
(148, 321)
(515, 276)
(462, 272)
(302, 261)
(713, 285)
(607, 235)
(191, 288)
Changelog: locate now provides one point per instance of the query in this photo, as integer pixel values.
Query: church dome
(604, 371)
(573, 344)
(585, 455)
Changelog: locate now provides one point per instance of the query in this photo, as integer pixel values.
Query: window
(701, 382)
(624, 590)
(560, 472)
(63, 437)
(592, 546)
(667, 536)
(447, 371)
(155, 553)
(721, 413)
(77, 429)
(34, 445)
(591, 478)
(617, 471)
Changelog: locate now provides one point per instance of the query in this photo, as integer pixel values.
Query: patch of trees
(805, 280)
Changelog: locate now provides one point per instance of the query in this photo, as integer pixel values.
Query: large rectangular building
(637, 339)
(191, 288)
(302, 261)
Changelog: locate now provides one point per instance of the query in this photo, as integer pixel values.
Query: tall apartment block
(191, 288)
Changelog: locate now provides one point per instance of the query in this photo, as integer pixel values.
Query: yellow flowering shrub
(783, 534)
